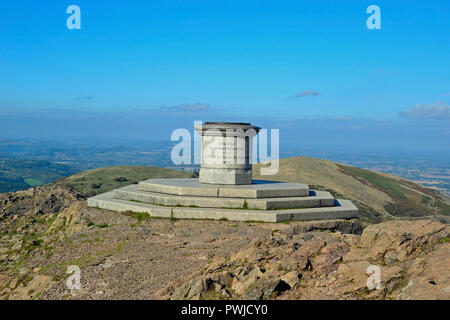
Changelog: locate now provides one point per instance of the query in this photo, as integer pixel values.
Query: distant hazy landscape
(27, 163)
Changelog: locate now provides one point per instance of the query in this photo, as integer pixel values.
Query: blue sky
(174, 61)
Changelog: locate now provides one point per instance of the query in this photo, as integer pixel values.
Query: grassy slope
(379, 196)
(92, 182)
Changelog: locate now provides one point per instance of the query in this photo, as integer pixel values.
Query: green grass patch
(89, 222)
(386, 184)
(34, 182)
(103, 225)
(40, 220)
(425, 200)
(140, 217)
(212, 295)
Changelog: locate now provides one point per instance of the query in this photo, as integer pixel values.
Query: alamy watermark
(374, 20)
(73, 282)
(74, 20)
(374, 279)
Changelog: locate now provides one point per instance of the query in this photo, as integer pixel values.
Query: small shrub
(140, 216)
(103, 225)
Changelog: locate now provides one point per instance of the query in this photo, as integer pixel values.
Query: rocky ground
(299, 263)
(130, 256)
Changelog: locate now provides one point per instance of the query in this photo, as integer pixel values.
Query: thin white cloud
(81, 98)
(194, 107)
(307, 93)
(435, 111)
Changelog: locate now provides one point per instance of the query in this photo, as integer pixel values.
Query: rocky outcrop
(68, 221)
(30, 223)
(33, 289)
(302, 263)
(37, 201)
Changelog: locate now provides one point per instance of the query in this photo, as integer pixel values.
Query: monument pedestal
(226, 152)
(227, 176)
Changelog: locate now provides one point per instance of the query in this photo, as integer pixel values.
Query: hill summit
(130, 255)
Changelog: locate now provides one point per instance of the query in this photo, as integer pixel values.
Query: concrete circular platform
(258, 188)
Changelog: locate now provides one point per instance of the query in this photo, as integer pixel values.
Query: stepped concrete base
(343, 209)
(265, 201)
(258, 188)
(315, 199)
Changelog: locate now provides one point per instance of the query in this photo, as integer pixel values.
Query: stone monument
(226, 152)
(225, 189)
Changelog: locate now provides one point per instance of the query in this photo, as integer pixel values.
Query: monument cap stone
(226, 152)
